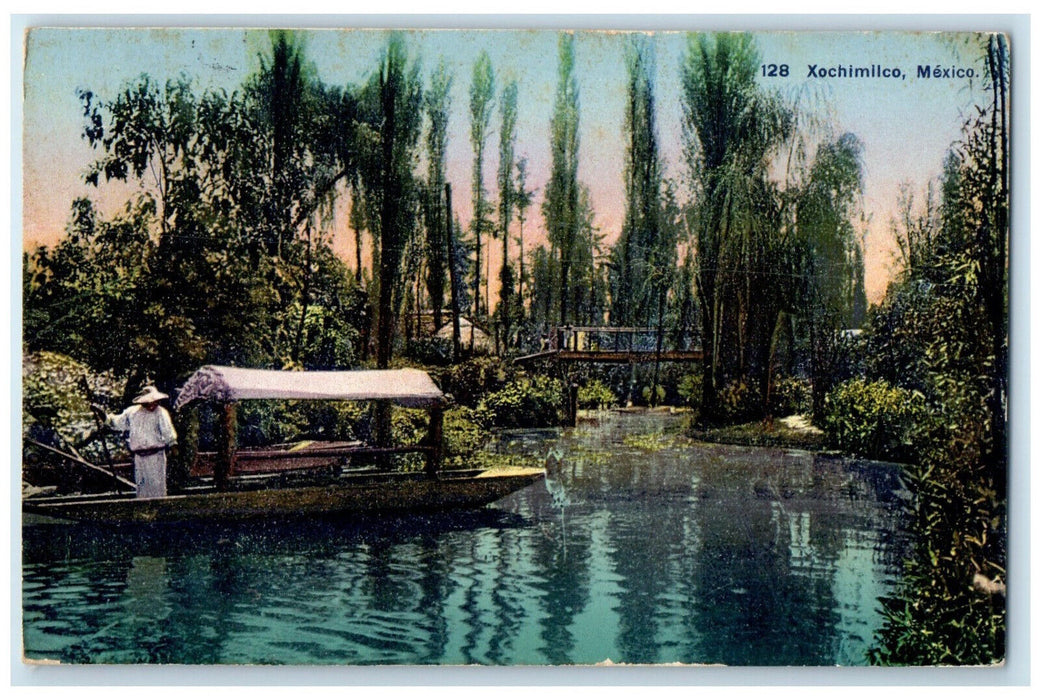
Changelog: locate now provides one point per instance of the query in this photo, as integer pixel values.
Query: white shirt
(148, 429)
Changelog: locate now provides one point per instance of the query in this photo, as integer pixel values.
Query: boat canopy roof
(406, 387)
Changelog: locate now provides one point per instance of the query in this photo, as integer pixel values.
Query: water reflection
(695, 554)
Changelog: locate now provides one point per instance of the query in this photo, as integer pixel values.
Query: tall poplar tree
(482, 93)
(507, 197)
(437, 215)
(560, 208)
(523, 198)
(637, 280)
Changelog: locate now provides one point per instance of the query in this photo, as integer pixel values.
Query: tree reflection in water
(677, 553)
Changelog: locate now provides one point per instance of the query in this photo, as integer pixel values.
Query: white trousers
(150, 475)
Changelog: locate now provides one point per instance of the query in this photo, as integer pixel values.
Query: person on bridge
(150, 434)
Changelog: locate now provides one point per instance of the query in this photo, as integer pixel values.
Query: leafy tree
(148, 137)
(392, 104)
(392, 100)
(507, 194)
(829, 253)
(732, 130)
(942, 331)
(437, 215)
(303, 137)
(914, 233)
(482, 92)
(201, 265)
(637, 288)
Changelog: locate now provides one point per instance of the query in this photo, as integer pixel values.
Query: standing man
(151, 433)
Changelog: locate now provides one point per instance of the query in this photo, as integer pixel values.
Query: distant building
(482, 342)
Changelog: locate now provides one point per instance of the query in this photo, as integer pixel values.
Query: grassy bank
(792, 431)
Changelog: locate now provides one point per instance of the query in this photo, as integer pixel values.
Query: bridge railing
(606, 338)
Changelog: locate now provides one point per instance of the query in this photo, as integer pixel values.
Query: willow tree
(393, 100)
(732, 130)
(482, 93)
(561, 206)
(303, 149)
(829, 252)
(305, 136)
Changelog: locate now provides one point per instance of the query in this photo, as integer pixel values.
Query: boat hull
(293, 502)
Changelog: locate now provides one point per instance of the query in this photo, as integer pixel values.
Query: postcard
(552, 348)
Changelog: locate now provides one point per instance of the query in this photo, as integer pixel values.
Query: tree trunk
(457, 341)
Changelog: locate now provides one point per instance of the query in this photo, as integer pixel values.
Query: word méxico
(851, 71)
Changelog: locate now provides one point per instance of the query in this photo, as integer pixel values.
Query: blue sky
(906, 125)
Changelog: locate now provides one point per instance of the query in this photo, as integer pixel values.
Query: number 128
(774, 70)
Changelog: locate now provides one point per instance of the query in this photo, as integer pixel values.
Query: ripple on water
(654, 555)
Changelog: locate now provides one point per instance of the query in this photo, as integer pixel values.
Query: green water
(639, 548)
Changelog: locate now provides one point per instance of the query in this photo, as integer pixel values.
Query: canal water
(640, 547)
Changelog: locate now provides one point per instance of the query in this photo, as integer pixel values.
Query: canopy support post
(225, 464)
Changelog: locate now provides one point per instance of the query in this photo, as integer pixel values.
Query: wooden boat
(357, 495)
(314, 480)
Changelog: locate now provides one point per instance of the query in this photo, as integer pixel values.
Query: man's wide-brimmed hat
(150, 395)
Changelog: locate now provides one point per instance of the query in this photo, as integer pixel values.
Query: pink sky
(906, 126)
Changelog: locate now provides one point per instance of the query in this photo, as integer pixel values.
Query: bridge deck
(608, 344)
(615, 356)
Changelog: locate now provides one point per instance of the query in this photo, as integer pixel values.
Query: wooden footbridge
(609, 345)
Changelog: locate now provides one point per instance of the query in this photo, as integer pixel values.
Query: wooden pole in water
(572, 404)
(435, 440)
(457, 343)
(225, 464)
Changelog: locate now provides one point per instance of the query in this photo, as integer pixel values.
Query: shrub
(595, 394)
(875, 419)
(466, 430)
(276, 421)
(431, 351)
(526, 402)
(474, 379)
(659, 395)
(790, 395)
(739, 401)
(689, 389)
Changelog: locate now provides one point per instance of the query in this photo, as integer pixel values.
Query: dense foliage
(875, 419)
(943, 335)
(56, 395)
(526, 401)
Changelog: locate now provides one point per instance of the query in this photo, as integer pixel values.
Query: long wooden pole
(83, 463)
